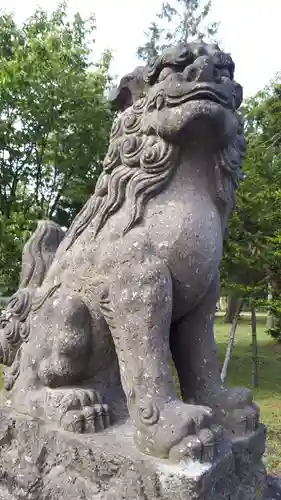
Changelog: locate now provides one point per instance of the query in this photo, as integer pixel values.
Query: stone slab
(273, 488)
(40, 462)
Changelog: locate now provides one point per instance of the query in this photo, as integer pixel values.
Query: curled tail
(37, 257)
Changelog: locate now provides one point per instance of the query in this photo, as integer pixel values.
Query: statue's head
(183, 103)
(191, 95)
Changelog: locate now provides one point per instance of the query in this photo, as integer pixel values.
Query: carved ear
(121, 97)
(130, 89)
(238, 94)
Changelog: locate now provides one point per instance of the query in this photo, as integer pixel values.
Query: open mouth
(197, 95)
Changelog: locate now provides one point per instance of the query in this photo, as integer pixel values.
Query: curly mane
(136, 168)
(38, 253)
(228, 167)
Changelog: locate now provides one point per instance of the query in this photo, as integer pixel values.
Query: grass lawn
(268, 394)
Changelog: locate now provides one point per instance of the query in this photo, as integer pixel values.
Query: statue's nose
(202, 70)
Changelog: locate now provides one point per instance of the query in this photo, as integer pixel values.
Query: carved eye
(225, 72)
(164, 73)
(217, 75)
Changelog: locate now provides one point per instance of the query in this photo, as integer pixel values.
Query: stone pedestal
(40, 462)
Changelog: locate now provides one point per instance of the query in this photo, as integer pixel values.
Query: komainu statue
(38, 254)
(133, 285)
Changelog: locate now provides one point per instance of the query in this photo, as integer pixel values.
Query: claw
(99, 418)
(239, 420)
(217, 431)
(252, 418)
(73, 421)
(106, 416)
(204, 421)
(190, 447)
(208, 441)
(79, 411)
(90, 416)
(245, 420)
(70, 401)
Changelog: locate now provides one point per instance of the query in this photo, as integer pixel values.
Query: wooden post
(254, 348)
(231, 340)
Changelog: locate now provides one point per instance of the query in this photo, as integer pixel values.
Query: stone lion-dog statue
(133, 284)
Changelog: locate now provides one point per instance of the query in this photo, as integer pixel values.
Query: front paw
(178, 431)
(235, 410)
(82, 411)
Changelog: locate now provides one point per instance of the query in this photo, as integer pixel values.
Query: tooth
(159, 101)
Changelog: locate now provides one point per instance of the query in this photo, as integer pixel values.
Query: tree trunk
(231, 340)
(273, 321)
(254, 349)
(270, 321)
(231, 308)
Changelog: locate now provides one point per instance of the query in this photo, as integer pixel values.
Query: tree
(54, 125)
(178, 21)
(14, 230)
(252, 258)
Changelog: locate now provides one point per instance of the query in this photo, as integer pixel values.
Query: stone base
(40, 462)
(273, 488)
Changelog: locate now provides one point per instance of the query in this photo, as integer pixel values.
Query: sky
(250, 31)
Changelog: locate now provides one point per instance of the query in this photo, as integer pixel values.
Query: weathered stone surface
(40, 462)
(132, 285)
(273, 488)
(37, 256)
(5, 495)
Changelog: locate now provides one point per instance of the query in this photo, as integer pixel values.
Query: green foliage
(54, 124)
(14, 230)
(178, 21)
(252, 258)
